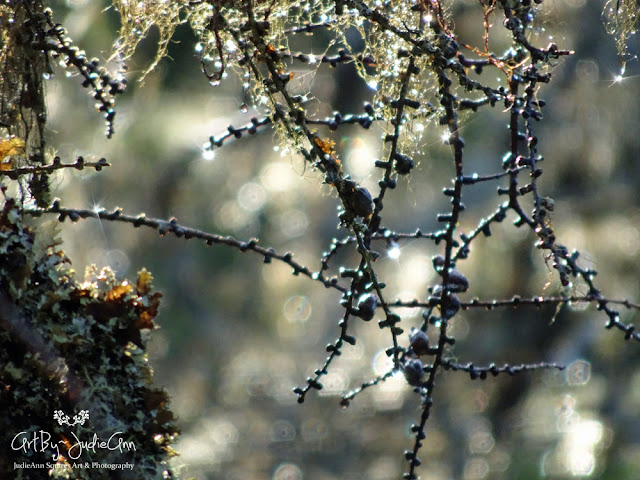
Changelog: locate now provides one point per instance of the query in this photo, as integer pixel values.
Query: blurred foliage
(238, 335)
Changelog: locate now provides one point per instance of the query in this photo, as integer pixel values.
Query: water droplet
(230, 46)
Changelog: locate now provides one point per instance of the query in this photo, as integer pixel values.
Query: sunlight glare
(394, 252)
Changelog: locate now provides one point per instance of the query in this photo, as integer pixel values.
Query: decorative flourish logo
(71, 446)
(64, 419)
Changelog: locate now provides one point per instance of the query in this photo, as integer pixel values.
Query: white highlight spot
(394, 252)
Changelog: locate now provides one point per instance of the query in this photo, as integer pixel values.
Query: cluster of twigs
(52, 38)
(427, 48)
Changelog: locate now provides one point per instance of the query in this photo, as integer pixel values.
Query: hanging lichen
(621, 20)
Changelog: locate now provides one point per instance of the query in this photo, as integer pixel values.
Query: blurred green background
(237, 335)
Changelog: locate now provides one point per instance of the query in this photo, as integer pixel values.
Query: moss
(78, 349)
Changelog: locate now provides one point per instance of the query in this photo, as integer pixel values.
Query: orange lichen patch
(148, 313)
(326, 145)
(9, 147)
(118, 291)
(12, 146)
(331, 161)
